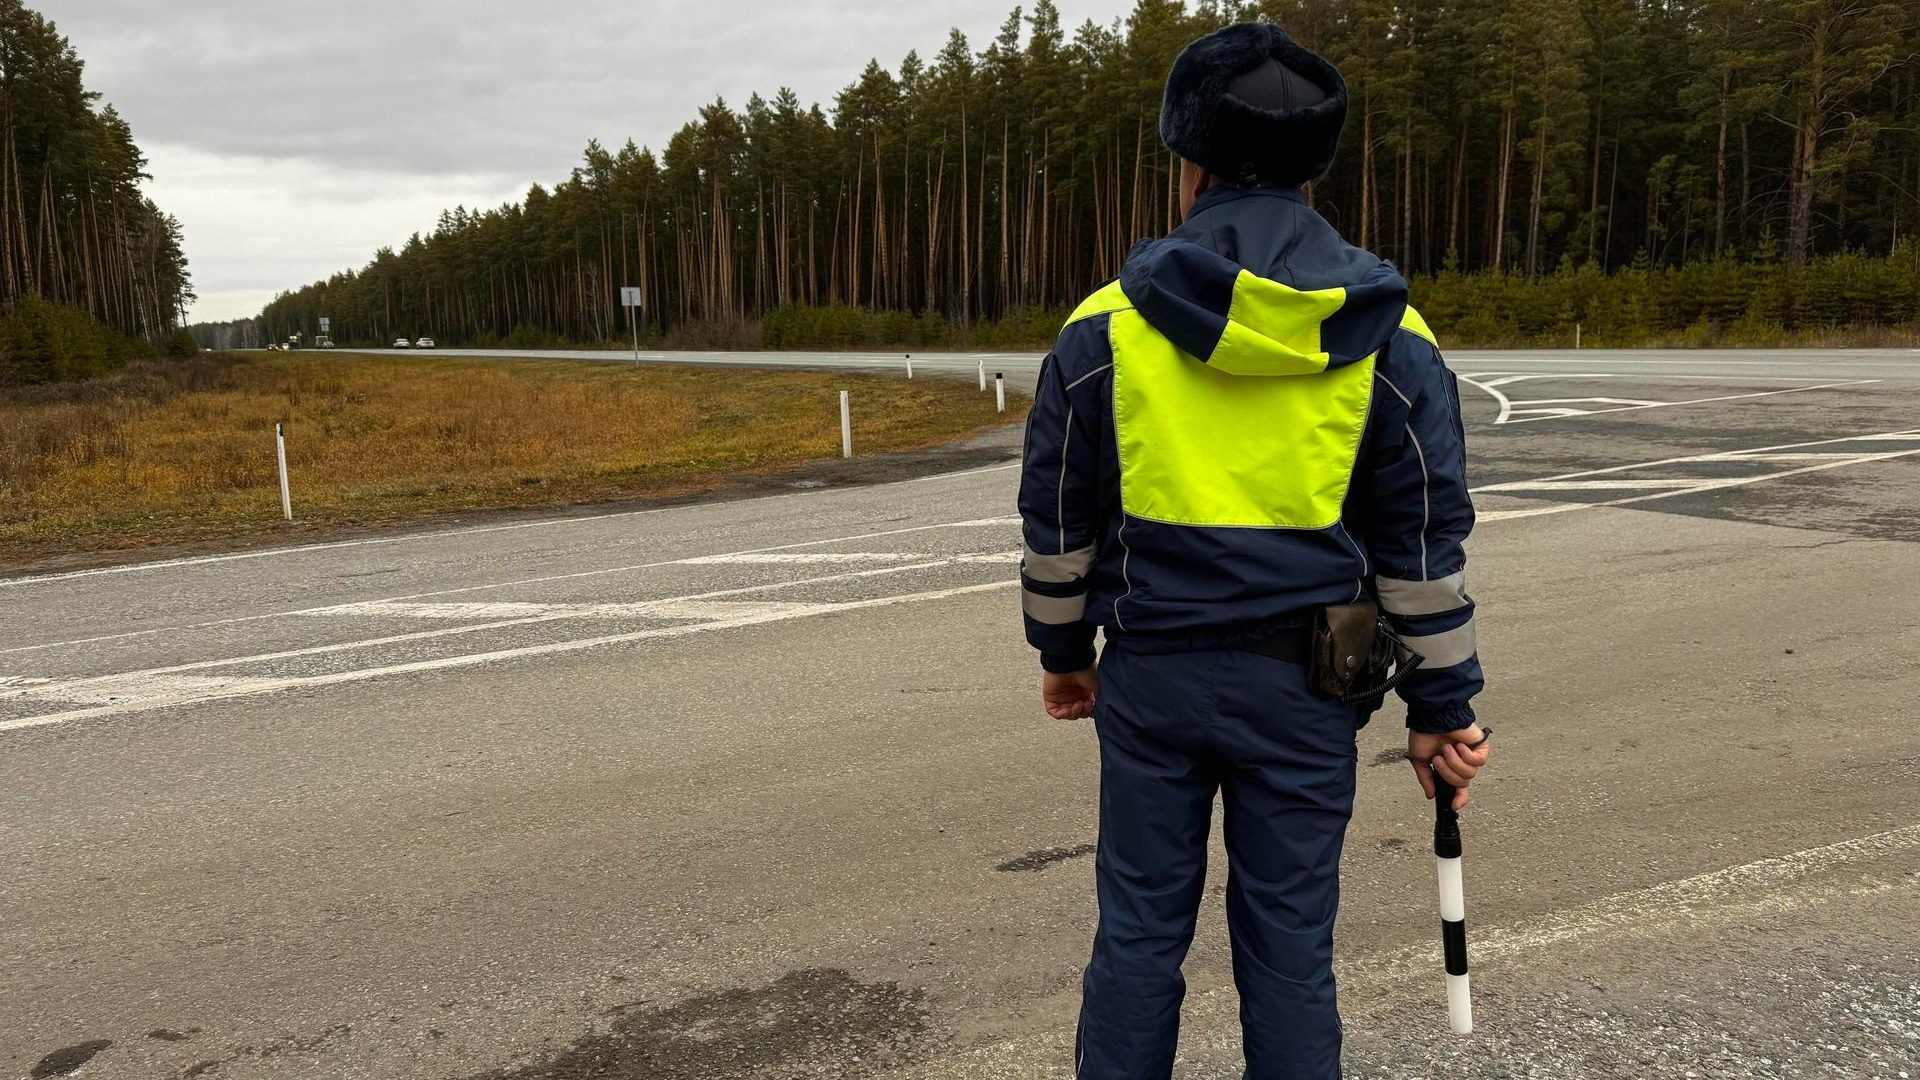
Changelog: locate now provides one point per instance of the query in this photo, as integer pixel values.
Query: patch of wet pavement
(813, 1022)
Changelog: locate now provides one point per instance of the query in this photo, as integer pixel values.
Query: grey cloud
(482, 85)
(293, 137)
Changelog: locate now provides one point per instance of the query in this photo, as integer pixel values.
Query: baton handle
(1453, 906)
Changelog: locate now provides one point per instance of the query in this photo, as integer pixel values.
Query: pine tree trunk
(1806, 151)
(966, 249)
(1720, 171)
(1506, 181)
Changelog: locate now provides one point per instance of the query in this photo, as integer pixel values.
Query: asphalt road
(1896, 365)
(761, 789)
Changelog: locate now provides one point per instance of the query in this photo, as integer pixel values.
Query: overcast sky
(294, 137)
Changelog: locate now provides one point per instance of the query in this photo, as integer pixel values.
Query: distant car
(323, 343)
(424, 343)
(273, 347)
(402, 343)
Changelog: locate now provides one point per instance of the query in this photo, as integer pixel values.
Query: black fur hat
(1251, 106)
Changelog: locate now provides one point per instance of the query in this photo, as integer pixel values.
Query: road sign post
(630, 299)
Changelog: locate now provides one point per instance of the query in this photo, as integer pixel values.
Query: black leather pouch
(1344, 639)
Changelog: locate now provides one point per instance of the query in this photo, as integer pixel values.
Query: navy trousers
(1174, 731)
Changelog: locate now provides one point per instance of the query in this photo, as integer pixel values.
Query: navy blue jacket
(1176, 587)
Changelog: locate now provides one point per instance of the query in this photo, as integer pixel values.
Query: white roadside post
(846, 427)
(280, 451)
(1000, 390)
(1576, 335)
(630, 299)
(983, 376)
(909, 365)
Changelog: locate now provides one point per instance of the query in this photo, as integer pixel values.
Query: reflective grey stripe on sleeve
(1053, 610)
(1423, 597)
(1456, 646)
(1071, 566)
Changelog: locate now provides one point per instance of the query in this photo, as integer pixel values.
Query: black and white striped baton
(1453, 906)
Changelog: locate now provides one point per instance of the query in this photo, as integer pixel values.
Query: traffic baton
(1453, 906)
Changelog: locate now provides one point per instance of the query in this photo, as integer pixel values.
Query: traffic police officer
(1247, 429)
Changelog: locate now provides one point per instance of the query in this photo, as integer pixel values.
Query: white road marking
(758, 614)
(969, 524)
(1532, 410)
(1774, 884)
(1686, 362)
(1593, 485)
(1705, 902)
(799, 557)
(644, 609)
(301, 549)
(52, 689)
(722, 617)
(1693, 486)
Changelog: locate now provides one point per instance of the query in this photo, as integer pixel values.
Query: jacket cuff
(1068, 663)
(1441, 719)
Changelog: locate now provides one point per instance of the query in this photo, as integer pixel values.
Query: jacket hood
(1256, 283)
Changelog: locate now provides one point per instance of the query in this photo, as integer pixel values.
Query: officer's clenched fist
(1070, 697)
(1458, 756)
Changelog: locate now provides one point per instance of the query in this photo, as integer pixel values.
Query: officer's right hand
(1448, 755)
(1070, 697)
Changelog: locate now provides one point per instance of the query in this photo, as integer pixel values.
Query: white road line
(1590, 485)
(643, 609)
(798, 557)
(1711, 901)
(1711, 898)
(1531, 410)
(301, 549)
(53, 691)
(1683, 362)
(56, 689)
(1699, 488)
(1705, 400)
(211, 624)
(1912, 435)
(1502, 378)
(249, 687)
(1904, 435)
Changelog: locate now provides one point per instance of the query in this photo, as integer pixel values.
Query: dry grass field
(182, 451)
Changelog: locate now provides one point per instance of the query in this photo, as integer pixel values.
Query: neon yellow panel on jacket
(1261, 434)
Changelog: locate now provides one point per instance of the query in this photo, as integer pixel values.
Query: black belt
(1295, 646)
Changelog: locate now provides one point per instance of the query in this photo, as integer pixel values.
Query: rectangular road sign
(326, 324)
(629, 297)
